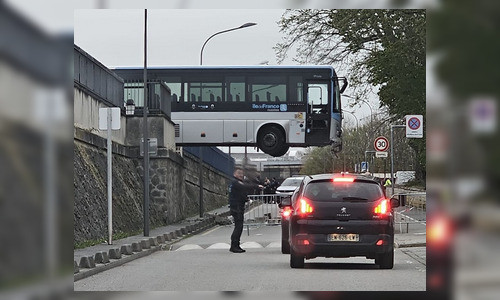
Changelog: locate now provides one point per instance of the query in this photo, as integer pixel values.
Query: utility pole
(145, 130)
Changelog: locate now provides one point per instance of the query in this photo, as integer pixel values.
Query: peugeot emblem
(343, 210)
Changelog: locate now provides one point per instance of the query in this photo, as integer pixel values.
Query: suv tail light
(383, 207)
(439, 230)
(305, 207)
(287, 211)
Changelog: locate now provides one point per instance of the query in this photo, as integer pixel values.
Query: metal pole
(110, 183)
(392, 154)
(368, 164)
(145, 132)
(392, 160)
(201, 182)
(229, 163)
(51, 209)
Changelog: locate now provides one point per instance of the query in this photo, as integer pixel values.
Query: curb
(115, 263)
(155, 244)
(409, 245)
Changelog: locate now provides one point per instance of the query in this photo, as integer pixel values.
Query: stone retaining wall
(174, 190)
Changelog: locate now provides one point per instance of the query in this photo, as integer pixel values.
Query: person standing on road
(238, 191)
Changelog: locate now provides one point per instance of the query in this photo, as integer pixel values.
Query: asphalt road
(203, 263)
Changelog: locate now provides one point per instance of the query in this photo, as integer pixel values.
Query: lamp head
(247, 25)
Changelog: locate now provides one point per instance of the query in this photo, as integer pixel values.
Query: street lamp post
(201, 148)
(357, 127)
(357, 122)
(220, 32)
(364, 101)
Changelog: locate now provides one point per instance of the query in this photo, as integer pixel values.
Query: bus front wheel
(271, 140)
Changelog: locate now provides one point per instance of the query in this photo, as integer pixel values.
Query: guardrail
(412, 209)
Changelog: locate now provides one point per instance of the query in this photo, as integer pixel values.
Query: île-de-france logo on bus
(270, 107)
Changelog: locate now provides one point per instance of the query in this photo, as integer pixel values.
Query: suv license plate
(340, 237)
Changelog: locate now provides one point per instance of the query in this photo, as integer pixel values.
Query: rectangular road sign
(381, 154)
(364, 166)
(414, 126)
(115, 118)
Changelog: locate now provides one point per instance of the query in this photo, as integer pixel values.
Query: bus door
(318, 113)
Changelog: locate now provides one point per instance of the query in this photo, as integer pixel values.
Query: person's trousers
(237, 214)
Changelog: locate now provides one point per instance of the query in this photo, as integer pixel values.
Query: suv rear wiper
(354, 199)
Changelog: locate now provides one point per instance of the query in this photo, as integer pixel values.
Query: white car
(289, 185)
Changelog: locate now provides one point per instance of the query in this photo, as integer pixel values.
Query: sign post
(392, 154)
(109, 119)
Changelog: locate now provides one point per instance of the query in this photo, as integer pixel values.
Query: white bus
(271, 107)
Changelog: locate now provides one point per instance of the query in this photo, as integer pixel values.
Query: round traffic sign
(414, 123)
(381, 143)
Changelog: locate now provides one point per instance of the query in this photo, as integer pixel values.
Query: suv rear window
(327, 191)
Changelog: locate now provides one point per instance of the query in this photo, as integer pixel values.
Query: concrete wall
(86, 116)
(158, 127)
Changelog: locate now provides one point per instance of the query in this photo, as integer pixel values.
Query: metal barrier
(262, 210)
(412, 209)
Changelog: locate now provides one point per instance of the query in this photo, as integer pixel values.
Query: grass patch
(116, 236)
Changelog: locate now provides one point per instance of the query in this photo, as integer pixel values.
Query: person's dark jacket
(238, 191)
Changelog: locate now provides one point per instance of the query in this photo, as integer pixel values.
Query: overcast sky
(175, 37)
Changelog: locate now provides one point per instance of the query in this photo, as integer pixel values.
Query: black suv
(341, 215)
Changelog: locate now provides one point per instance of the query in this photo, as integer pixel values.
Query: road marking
(219, 246)
(211, 230)
(251, 245)
(189, 247)
(274, 245)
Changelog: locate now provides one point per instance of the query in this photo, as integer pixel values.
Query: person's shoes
(236, 250)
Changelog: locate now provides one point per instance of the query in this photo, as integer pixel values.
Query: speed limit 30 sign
(381, 143)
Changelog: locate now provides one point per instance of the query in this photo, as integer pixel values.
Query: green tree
(382, 49)
(355, 142)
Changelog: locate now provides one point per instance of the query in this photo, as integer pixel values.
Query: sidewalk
(92, 260)
(405, 240)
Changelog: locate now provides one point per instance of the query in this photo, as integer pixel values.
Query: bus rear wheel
(271, 140)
